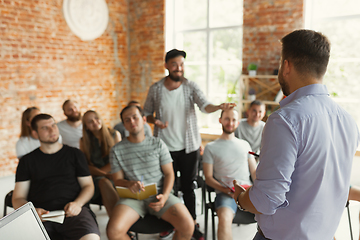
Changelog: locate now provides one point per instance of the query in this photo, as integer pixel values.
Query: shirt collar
(313, 89)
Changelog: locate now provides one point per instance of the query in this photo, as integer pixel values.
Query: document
(54, 216)
(150, 190)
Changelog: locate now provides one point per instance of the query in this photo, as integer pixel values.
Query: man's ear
(220, 120)
(287, 68)
(35, 134)
(144, 118)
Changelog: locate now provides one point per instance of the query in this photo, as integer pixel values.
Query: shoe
(197, 235)
(166, 234)
(131, 235)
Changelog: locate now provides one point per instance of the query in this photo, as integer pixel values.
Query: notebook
(23, 223)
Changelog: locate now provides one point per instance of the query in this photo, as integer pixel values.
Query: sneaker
(197, 235)
(166, 234)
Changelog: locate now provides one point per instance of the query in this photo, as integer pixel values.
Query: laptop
(23, 223)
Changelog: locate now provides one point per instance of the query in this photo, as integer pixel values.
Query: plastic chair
(8, 201)
(150, 225)
(241, 217)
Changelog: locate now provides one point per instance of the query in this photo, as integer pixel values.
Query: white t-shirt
(229, 159)
(173, 109)
(28, 144)
(70, 135)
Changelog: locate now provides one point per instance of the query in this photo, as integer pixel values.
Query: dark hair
(25, 129)
(132, 102)
(256, 102)
(173, 54)
(64, 104)
(309, 51)
(128, 107)
(41, 116)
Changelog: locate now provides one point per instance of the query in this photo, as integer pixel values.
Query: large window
(340, 22)
(210, 31)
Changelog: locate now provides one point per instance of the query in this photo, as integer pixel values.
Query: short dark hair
(41, 116)
(128, 107)
(64, 104)
(309, 51)
(174, 53)
(256, 102)
(133, 102)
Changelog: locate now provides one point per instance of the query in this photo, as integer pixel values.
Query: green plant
(252, 66)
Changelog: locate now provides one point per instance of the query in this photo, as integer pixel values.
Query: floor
(246, 232)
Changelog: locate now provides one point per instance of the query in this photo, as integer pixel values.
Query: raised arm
(224, 106)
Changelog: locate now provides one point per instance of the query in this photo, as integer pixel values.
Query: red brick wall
(265, 23)
(42, 63)
(147, 45)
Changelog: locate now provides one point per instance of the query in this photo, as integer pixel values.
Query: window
(340, 22)
(210, 32)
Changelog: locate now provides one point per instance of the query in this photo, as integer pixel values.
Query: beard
(74, 118)
(176, 78)
(284, 86)
(49, 142)
(227, 131)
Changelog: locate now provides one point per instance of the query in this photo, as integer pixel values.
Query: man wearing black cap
(172, 99)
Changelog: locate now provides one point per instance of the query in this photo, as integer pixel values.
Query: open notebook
(23, 223)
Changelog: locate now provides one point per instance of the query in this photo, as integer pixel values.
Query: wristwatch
(238, 203)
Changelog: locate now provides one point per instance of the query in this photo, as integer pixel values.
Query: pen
(256, 155)
(142, 179)
(231, 189)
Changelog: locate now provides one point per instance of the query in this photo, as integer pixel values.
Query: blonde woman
(27, 142)
(96, 143)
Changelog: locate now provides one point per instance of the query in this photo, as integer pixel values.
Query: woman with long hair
(96, 143)
(27, 142)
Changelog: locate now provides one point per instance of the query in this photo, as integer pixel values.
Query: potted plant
(252, 69)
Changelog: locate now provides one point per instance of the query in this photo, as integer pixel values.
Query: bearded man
(71, 128)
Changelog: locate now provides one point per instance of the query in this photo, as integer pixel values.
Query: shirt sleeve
(149, 106)
(207, 156)
(199, 97)
(22, 171)
(114, 162)
(20, 150)
(277, 163)
(82, 168)
(165, 156)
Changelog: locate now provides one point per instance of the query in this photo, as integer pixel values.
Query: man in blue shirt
(307, 149)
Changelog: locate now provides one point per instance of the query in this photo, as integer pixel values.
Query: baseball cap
(174, 53)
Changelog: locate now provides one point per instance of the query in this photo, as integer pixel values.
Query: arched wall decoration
(87, 19)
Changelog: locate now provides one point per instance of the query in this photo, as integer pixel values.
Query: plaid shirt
(192, 94)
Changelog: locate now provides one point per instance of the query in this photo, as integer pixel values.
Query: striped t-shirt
(141, 159)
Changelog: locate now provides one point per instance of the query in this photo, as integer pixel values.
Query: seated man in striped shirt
(139, 157)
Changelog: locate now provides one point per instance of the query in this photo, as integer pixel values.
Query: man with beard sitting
(71, 128)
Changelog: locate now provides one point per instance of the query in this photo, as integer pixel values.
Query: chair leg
(213, 223)
(4, 209)
(206, 222)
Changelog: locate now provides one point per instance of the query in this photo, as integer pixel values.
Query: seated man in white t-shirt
(250, 128)
(225, 159)
(71, 128)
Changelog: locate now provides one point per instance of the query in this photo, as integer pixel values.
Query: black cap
(174, 53)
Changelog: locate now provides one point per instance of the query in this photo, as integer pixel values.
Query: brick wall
(265, 22)
(147, 45)
(42, 63)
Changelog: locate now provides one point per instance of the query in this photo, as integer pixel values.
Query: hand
(238, 190)
(40, 212)
(157, 206)
(136, 186)
(108, 176)
(72, 209)
(160, 124)
(226, 106)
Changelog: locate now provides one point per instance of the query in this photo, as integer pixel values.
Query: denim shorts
(224, 200)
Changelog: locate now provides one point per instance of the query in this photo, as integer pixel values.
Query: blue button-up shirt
(302, 180)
